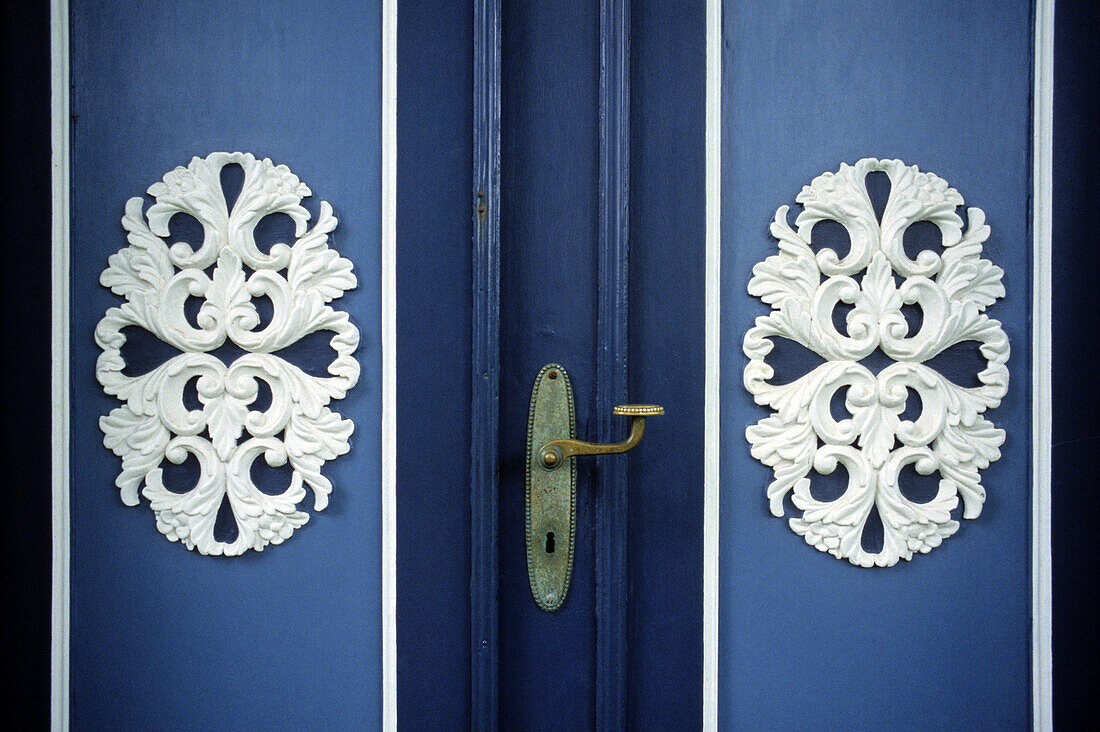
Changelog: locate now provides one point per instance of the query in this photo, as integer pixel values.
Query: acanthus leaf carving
(229, 431)
(875, 442)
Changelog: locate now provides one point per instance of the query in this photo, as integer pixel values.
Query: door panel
(806, 640)
(549, 289)
(160, 636)
(667, 334)
(435, 150)
(549, 157)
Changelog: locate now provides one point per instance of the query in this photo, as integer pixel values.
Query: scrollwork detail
(228, 432)
(875, 441)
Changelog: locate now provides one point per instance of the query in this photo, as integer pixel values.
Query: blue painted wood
(485, 366)
(549, 230)
(807, 640)
(434, 170)
(611, 361)
(434, 314)
(164, 637)
(667, 333)
(549, 263)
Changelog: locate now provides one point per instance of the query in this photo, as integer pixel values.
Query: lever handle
(551, 493)
(553, 454)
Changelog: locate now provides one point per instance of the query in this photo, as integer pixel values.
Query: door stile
(485, 366)
(611, 362)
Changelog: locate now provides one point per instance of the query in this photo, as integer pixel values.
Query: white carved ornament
(874, 443)
(225, 435)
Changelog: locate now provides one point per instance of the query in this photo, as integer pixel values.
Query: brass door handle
(551, 492)
(553, 454)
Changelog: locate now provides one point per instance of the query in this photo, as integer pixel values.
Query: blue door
(555, 202)
(828, 290)
(872, 487)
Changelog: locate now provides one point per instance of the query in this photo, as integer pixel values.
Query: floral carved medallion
(227, 414)
(878, 433)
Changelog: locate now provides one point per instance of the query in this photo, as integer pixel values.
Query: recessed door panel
(161, 636)
(807, 639)
(549, 174)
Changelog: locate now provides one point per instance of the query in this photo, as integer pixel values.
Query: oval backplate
(551, 494)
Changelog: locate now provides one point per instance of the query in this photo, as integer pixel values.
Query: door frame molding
(1042, 171)
(612, 347)
(1041, 403)
(485, 366)
(59, 366)
(389, 365)
(711, 361)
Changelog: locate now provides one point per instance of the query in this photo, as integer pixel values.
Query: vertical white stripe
(389, 365)
(59, 371)
(1042, 181)
(711, 368)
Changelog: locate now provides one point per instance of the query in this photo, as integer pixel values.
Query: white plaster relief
(225, 434)
(873, 443)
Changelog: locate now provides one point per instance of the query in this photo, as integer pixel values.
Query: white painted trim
(59, 367)
(389, 365)
(1041, 405)
(712, 372)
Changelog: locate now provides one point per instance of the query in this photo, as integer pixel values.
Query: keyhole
(550, 542)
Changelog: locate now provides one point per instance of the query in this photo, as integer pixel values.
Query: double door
(594, 187)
